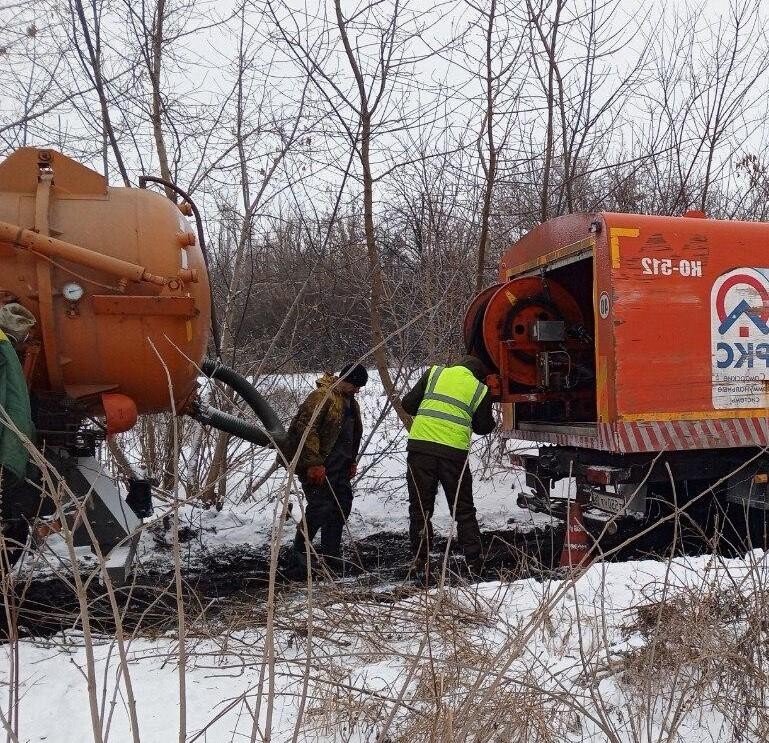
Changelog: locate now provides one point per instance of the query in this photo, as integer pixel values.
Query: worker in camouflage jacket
(330, 423)
(449, 404)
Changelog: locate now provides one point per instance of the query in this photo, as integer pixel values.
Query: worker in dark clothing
(449, 403)
(327, 461)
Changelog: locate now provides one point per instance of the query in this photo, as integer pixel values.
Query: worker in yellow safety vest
(448, 404)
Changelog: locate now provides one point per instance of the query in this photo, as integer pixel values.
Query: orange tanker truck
(635, 350)
(114, 281)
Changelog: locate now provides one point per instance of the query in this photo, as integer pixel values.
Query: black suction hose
(247, 391)
(232, 424)
(274, 434)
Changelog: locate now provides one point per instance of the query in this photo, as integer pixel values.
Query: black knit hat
(355, 374)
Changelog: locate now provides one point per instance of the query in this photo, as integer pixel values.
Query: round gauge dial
(72, 292)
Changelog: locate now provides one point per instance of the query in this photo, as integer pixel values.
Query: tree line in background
(362, 166)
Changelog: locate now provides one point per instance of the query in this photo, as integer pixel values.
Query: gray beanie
(16, 321)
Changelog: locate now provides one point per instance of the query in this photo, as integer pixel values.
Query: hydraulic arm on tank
(118, 286)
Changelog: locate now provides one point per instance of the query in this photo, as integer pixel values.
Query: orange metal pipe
(51, 247)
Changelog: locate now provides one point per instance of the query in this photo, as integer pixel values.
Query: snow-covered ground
(630, 652)
(526, 660)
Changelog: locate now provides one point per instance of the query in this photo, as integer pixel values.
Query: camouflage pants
(326, 509)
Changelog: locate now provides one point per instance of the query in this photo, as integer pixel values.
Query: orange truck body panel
(681, 337)
(130, 337)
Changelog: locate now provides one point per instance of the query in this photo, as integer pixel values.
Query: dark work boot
(422, 573)
(296, 565)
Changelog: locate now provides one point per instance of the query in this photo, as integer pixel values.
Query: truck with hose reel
(635, 350)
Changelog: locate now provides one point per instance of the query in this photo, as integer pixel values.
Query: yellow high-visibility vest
(445, 414)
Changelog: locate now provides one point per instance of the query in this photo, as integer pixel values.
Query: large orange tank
(114, 277)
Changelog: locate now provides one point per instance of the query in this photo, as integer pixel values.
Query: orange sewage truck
(635, 349)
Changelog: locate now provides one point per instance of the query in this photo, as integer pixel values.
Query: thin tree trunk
(156, 113)
(98, 82)
(491, 166)
(377, 285)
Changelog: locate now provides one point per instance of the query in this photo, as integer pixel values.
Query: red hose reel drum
(500, 321)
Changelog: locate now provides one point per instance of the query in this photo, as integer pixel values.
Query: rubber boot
(422, 573)
(296, 567)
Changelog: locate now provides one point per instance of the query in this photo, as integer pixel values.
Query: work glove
(316, 474)
(352, 470)
(494, 383)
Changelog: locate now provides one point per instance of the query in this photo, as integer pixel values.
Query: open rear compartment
(537, 331)
(563, 353)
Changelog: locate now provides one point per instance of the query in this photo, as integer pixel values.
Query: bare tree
(363, 104)
(89, 34)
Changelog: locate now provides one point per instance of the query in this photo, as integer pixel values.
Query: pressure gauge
(72, 292)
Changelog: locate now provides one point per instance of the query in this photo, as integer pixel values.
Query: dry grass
(403, 664)
(527, 662)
